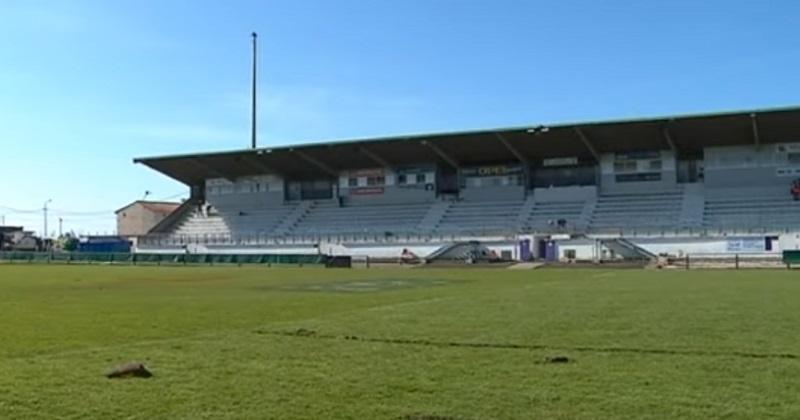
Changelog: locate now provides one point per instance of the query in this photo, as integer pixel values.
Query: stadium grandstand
(712, 183)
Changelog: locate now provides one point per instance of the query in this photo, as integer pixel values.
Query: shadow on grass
(304, 333)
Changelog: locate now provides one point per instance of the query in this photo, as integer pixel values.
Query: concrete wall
(560, 194)
(392, 195)
(719, 245)
(504, 193)
(608, 182)
(585, 249)
(245, 193)
(748, 166)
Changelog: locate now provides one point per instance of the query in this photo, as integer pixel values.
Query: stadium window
(401, 179)
(625, 166)
(655, 165)
(420, 178)
(793, 157)
(352, 182)
(381, 180)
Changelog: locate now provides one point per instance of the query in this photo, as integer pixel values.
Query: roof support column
(668, 137)
(206, 168)
(520, 157)
(320, 165)
(526, 165)
(258, 165)
(450, 161)
(586, 142)
(374, 156)
(756, 135)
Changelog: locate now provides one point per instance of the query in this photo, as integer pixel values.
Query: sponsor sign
(366, 173)
(366, 191)
(745, 245)
(563, 161)
(793, 172)
(787, 147)
(498, 170)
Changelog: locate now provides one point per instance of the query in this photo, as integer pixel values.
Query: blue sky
(85, 86)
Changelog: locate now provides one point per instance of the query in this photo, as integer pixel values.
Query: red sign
(366, 191)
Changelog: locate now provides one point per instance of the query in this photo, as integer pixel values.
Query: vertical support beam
(314, 161)
(587, 143)
(756, 136)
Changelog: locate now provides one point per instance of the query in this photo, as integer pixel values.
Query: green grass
(383, 344)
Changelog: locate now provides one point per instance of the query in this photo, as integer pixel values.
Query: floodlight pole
(44, 209)
(253, 116)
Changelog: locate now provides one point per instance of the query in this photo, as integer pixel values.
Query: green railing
(160, 259)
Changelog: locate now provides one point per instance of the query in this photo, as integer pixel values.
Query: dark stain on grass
(519, 346)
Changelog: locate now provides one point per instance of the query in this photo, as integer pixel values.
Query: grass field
(388, 344)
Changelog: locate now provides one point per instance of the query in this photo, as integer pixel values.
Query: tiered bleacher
(750, 208)
(198, 224)
(329, 217)
(480, 217)
(545, 215)
(641, 209)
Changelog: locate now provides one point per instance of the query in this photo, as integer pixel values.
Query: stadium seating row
(740, 208)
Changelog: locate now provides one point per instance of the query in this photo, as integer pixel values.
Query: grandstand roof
(687, 134)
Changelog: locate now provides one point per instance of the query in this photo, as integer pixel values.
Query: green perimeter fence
(12, 257)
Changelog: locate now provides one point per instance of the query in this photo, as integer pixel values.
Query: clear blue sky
(85, 86)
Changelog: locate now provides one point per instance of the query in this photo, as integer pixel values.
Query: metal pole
(253, 116)
(44, 208)
(60, 227)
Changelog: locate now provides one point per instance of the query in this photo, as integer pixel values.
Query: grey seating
(641, 209)
(488, 217)
(751, 208)
(327, 217)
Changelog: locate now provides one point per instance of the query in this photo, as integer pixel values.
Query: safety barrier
(159, 259)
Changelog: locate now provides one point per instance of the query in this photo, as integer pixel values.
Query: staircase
(434, 215)
(291, 220)
(627, 249)
(176, 217)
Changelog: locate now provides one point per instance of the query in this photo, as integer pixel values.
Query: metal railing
(161, 240)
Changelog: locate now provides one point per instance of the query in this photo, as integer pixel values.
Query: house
(139, 217)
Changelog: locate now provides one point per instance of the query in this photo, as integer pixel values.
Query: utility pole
(253, 116)
(44, 209)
